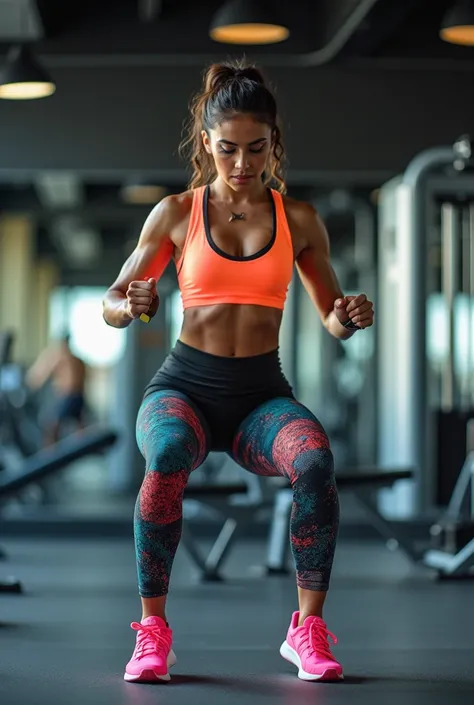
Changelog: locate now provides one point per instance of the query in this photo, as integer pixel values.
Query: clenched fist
(141, 295)
(356, 309)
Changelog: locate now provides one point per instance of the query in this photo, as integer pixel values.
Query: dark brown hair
(228, 89)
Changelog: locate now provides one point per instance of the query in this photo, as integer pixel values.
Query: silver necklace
(236, 216)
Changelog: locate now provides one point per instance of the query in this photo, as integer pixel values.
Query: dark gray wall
(337, 120)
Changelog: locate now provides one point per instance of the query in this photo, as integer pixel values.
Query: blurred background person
(67, 374)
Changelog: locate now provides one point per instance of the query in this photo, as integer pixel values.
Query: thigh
(277, 437)
(170, 427)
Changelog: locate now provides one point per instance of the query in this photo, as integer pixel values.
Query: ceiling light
(142, 192)
(22, 77)
(246, 22)
(458, 24)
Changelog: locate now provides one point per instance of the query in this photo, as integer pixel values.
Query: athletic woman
(234, 238)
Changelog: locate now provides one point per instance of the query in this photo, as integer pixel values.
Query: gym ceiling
(117, 33)
(177, 31)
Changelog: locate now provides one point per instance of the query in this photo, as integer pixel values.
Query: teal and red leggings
(198, 403)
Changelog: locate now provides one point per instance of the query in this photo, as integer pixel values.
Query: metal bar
(412, 312)
(449, 242)
(279, 540)
(470, 307)
(459, 506)
(220, 548)
(465, 381)
(455, 565)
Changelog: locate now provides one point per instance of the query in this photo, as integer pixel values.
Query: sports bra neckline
(226, 255)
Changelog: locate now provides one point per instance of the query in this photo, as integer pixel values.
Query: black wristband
(349, 325)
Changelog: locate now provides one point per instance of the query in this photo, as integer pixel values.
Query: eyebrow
(261, 139)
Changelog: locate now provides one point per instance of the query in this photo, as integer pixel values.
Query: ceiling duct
(339, 21)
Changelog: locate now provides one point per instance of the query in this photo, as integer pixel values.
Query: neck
(233, 199)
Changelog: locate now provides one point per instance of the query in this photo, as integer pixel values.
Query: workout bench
(360, 482)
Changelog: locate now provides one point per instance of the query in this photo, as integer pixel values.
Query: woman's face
(240, 147)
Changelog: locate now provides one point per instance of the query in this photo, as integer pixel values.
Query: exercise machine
(49, 461)
(426, 346)
(422, 302)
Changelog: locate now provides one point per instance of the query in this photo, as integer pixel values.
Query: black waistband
(204, 376)
(253, 363)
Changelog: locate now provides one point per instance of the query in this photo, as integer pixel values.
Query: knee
(314, 485)
(168, 456)
(302, 449)
(315, 467)
(161, 495)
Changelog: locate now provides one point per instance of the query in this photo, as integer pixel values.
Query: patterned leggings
(281, 437)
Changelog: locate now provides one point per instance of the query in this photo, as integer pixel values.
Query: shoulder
(173, 209)
(300, 212)
(306, 226)
(168, 216)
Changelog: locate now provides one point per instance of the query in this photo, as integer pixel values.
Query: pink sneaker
(153, 654)
(307, 647)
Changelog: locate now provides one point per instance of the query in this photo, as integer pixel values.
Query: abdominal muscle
(231, 330)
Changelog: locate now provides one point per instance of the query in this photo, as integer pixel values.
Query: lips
(242, 178)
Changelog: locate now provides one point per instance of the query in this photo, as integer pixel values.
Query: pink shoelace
(151, 639)
(318, 639)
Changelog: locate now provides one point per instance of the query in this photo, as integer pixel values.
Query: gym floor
(402, 636)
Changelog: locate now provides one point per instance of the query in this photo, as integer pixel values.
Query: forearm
(336, 329)
(115, 309)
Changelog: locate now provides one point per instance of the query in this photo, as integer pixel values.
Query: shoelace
(150, 639)
(318, 639)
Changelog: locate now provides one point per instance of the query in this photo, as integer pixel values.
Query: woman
(234, 241)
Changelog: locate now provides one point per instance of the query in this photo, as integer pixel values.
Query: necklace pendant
(236, 216)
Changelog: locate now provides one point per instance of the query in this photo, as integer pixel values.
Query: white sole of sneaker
(149, 676)
(289, 654)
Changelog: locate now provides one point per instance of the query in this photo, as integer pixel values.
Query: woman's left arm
(314, 266)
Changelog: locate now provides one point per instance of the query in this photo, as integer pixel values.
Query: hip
(224, 390)
(216, 377)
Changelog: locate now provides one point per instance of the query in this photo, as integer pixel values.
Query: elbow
(106, 308)
(113, 309)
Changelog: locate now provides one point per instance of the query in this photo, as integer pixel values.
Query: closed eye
(232, 151)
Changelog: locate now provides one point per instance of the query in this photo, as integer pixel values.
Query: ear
(206, 141)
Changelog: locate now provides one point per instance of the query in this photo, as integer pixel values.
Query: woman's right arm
(131, 293)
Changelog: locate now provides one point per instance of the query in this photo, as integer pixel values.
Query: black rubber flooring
(403, 638)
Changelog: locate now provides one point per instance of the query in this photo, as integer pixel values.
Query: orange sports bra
(207, 275)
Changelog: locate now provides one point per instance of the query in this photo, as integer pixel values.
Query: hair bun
(218, 75)
(250, 72)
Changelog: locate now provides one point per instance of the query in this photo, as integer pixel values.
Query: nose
(241, 160)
